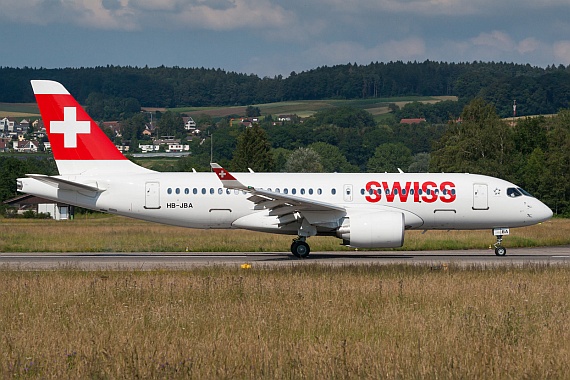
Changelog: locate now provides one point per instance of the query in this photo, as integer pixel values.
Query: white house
(57, 210)
(146, 148)
(7, 125)
(26, 146)
(189, 123)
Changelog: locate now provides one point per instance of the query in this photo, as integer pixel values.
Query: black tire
(500, 251)
(294, 249)
(300, 249)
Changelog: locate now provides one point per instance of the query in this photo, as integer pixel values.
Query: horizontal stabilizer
(64, 184)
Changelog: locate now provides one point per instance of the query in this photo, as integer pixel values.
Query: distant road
(147, 261)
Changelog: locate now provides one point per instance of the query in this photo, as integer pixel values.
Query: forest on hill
(536, 90)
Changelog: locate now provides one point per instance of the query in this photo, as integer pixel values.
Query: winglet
(228, 180)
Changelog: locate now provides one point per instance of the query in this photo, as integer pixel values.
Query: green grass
(310, 321)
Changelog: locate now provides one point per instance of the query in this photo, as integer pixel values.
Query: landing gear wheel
(500, 251)
(300, 249)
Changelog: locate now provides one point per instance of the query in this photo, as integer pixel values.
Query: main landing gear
(499, 249)
(300, 248)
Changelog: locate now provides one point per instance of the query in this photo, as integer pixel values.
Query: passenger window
(303, 191)
(310, 191)
(220, 190)
(319, 191)
(285, 191)
(169, 191)
(203, 190)
(293, 191)
(277, 190)
(194, 191)
(333, 191)
(186, 191)
(212, 191)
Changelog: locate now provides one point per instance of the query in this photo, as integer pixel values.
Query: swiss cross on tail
(70, 127)
(72, 133)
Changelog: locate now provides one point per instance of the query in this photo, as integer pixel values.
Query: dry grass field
(105, 233)
(312, 322)
(19, 110)
(306, 108)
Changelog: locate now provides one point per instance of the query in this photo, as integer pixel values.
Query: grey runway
(174, 260)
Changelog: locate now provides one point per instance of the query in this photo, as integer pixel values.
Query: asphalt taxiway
(177, 260)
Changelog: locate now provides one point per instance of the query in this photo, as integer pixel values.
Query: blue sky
(272, 37)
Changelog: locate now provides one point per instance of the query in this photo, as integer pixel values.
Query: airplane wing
(64, 184)
(280, 204)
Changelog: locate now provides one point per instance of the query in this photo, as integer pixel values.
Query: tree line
(537, 90)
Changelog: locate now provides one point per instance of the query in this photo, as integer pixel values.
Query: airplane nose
(542, 212)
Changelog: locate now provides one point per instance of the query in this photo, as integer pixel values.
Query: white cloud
(502, 42)
(496, 40)
(236, 14)
(528, 45)
(344, 52)
(161, 14)
(562, 51)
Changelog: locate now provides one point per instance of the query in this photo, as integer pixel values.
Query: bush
(31, 214)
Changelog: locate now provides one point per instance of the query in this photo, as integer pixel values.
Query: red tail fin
(77, 142)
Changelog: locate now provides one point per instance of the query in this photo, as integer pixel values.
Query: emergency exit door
(152, 195)
(480, 198)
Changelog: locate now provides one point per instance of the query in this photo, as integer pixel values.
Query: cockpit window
(524, 192)
(513, 193)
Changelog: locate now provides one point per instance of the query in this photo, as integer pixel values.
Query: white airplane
(365, 210)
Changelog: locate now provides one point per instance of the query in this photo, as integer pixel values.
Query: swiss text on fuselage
(428, 192)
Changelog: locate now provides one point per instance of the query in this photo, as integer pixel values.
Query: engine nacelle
(383, 229)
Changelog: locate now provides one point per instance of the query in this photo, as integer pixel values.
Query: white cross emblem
(70, 127)
(222, 174)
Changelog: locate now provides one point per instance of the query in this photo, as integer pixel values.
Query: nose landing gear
(499, 249)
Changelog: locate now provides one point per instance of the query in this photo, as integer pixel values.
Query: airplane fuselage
(197, 200)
